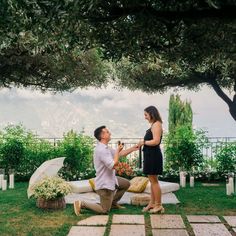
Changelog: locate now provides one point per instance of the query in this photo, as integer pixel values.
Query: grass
(19, 216)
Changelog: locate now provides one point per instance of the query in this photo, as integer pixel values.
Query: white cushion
(80, 186)
(83, 186)
(166, 187)
(167, 198)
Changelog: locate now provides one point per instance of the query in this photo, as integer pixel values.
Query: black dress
(152, 157)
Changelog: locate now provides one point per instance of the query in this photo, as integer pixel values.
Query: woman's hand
(140, 143)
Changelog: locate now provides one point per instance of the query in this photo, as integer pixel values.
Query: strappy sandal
(157, 208)
(148, 207)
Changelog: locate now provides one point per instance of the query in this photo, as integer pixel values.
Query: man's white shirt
(104, 162)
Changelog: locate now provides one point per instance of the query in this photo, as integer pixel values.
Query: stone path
(156, 225)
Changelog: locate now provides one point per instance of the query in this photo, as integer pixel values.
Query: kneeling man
(108, 186)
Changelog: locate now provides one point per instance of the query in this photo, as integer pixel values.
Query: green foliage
(59, 45)
(37, 152)
(22, 150)
(41, 47)
(206, 170)
(78, 150)
(12, 153)
(182, 150)
(226, 159)
(132, 160)
(38, 32)
(138, 172)
(25, 152)
(180, 113)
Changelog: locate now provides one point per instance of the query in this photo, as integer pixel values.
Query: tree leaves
(151, 45)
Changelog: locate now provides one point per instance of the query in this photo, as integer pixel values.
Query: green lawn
(19, 216)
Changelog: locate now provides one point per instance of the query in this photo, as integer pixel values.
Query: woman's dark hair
(154, 113)
(98, 131)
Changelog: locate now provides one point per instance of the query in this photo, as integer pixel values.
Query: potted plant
(50, 193)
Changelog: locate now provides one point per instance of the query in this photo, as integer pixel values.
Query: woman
(153, 163)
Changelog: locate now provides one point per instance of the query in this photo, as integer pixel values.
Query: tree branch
(224, 12)
(212, 81)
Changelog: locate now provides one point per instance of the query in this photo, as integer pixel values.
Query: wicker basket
(55, 204)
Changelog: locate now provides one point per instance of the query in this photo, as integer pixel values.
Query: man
(108, 186)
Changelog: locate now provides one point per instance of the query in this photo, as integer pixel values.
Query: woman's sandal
(147, 208)
(156, 209)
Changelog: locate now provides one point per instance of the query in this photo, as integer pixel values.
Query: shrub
(78, 150)
(138, 172)
(182, 150)
(24, 151)
(37, 151)
(226, 159)
(12, 152)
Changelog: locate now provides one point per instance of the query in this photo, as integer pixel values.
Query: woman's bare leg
(156, 190)
(151, 204)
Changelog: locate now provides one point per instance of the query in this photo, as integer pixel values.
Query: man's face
(106, 135)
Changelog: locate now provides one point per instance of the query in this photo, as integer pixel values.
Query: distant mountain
(51, 115)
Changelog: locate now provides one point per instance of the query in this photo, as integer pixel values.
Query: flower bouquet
(50, 193)
(124, 170)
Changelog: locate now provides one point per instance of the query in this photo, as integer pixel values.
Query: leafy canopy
(154, 45)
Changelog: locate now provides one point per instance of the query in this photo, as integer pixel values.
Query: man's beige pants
(108, 197)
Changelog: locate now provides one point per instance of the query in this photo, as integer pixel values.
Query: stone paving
(134, 230)
(231, 220)
(167, 222)
(210, 229)
(94, 220)
(203, 219)
(128, 219)
(156, 225)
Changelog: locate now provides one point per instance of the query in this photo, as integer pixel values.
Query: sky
(50, 115)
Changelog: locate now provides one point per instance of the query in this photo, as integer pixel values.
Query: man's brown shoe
(117, 206)
(77, 207)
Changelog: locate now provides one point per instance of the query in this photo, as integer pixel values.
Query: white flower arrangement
(51, 188)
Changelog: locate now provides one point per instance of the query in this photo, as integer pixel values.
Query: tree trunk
(232, 108)
(231, 103)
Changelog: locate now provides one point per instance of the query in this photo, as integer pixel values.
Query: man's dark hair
(98, 131)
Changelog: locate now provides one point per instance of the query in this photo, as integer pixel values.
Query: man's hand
(117, 153)
(135, 147)
(126, 151)
(120, 146)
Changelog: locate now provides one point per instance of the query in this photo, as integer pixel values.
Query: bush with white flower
(51, 188)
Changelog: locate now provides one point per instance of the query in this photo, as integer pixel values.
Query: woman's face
(147, 117)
